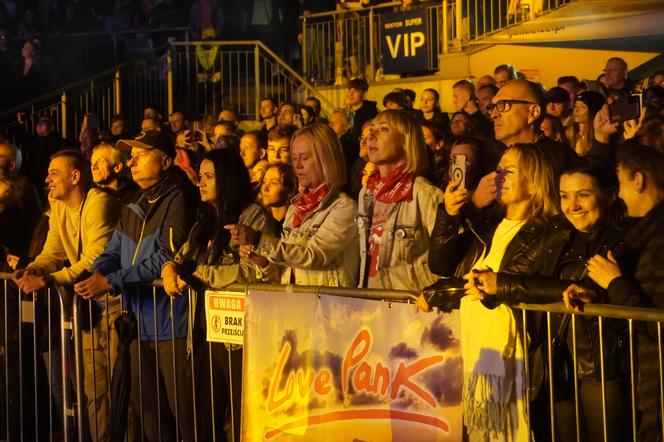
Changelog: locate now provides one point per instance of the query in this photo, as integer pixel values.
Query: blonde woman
(397, 207)
(474, 247)
(318, 244)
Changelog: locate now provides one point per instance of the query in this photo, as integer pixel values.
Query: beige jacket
(94, 222)
(322, 251)
(404, 249)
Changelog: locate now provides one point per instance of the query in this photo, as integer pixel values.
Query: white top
(505, 232)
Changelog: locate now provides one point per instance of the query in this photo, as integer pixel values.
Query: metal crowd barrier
(33, 408)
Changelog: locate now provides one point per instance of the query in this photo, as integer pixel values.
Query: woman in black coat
(588, 192)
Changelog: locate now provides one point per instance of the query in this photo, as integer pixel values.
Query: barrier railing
(126, 89)
(81, 55)
(211, 75)
(339, 45)
(191, 410)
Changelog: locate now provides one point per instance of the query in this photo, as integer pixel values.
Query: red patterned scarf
(395, 187)
(307, 202)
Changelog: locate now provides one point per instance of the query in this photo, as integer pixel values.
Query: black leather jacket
(562, 263)
(539, 263)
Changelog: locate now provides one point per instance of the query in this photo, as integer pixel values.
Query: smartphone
(625, 108)
(459, 169)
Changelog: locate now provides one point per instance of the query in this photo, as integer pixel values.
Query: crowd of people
(522, 194)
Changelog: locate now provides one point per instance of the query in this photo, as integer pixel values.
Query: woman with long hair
(588, 226)
(581, 133)
(509, 240)
(397, 208)
(209, 260)
(277, 186)
(318, 244)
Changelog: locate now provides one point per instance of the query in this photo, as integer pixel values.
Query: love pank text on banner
(341, 369)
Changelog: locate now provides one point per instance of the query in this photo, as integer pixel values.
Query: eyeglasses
(505, 105)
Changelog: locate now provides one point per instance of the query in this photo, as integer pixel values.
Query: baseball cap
(152, 139)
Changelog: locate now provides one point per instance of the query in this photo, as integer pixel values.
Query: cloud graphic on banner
(364, 398)
(308, 359)
(439, 335)
(446, 382)
(402, 350)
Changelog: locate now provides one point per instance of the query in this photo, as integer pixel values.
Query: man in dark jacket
(149, 233)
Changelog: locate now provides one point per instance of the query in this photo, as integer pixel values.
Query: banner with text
(343, 369)
(404, 41)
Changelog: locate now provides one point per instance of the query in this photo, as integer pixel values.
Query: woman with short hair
(397, 208)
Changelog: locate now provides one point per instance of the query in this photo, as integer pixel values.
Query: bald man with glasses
(517, 111)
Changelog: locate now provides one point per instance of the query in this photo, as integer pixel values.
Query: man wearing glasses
(516, 111)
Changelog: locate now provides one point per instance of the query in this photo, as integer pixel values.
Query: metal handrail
(603, 310)
(345, 11)
(84, 82)
(308, 86)
(110, 33)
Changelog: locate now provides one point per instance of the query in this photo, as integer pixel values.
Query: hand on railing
(575, 296)
(28, 281)
(421, 305)
(95, 285)
(481, 283)
(173, 284)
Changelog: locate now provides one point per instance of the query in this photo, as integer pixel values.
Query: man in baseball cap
(150, 232)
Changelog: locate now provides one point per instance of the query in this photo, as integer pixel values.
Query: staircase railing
(126, 88)
(209, 76)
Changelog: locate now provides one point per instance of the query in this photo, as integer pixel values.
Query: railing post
(63, 114)
(458, 22)
(445, 28)
(78, 365)
(169, 80)
(257, 82)
(117, 102)
(372, 47)
(305, 49)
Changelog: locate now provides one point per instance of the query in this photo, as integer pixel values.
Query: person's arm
(99, 218)
(174, 231)
(449, 241)
(333, 236)
(53, 254)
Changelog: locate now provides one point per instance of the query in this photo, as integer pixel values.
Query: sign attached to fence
(224, 313)
(404, 41)
(334, 368)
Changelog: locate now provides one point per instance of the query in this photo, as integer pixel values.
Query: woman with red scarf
(318, 244)
(397, 208)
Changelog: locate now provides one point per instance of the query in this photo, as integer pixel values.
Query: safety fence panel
(316, 363)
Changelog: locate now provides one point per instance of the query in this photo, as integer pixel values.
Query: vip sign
(404, 42)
